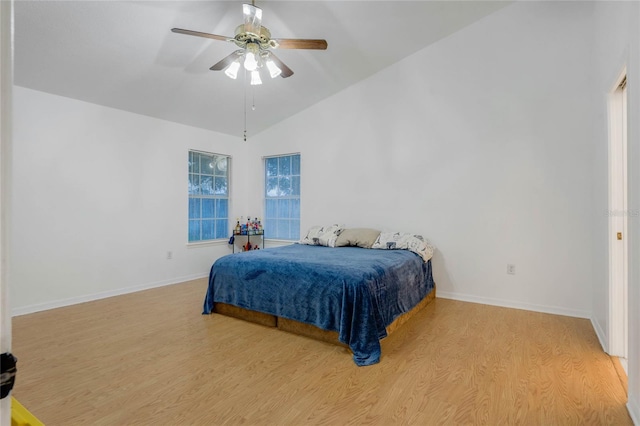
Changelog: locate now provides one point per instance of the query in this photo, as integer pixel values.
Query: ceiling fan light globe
(250, 62)
(255, 78)
(274, 71)
(232, 70)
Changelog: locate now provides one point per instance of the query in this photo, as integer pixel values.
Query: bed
(352, 293)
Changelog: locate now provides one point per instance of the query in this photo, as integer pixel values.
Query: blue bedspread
(354, 291)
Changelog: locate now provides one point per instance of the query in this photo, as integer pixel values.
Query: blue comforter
(354, 291)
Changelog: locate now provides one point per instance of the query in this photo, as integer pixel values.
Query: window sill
(208, 243)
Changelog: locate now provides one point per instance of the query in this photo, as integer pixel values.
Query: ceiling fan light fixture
(255, 78)
(254, 43)
(274, 71)
(232, 70)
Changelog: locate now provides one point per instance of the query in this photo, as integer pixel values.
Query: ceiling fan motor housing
(263, 40)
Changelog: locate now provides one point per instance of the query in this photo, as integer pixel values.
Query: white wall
(99, 197)
(617, 44)
(482, 143)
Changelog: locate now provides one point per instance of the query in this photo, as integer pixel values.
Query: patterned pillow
(404, 241)
(322, 235)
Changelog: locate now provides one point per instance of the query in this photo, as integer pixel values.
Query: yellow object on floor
(20, 416)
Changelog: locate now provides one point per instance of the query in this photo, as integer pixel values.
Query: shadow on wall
(441, 274)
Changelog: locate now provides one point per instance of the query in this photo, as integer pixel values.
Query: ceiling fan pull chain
(253, 98)
(244, 84)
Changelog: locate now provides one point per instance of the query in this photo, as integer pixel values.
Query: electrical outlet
(511, 269)
(169, 255)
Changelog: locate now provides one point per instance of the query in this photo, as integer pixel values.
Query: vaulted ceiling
(122, 54)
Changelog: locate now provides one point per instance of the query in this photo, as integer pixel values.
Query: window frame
(222, 221)
(270, 234)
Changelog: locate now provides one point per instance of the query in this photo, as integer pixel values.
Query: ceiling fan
(255, 43)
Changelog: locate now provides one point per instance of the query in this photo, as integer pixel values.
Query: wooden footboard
(407, 315)
(245, 314)
(310, 330)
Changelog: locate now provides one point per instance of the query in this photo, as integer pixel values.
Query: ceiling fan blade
(200, 34)
(286, 71)
(252, 18)
(226, 61)
(299, 43)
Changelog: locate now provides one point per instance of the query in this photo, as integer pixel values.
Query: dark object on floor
(8, 376)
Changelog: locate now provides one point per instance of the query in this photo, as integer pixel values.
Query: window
(208, 196)
(282, 197)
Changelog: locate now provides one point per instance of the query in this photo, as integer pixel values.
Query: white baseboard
(102, 295)
(634, 411)
(624, 362)
(601, 334)
(556, 310)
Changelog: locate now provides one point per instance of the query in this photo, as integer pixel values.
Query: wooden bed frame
(310, 330)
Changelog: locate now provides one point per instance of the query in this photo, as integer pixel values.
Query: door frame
(618, 214)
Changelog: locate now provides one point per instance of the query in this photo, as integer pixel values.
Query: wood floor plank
(152, 358)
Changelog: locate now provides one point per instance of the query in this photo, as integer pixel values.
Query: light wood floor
(152, 358)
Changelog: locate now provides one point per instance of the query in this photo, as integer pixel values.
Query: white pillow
(404, 241)
(322, 235)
